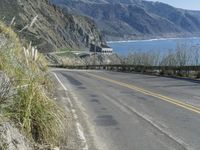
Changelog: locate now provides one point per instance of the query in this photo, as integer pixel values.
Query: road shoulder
(78, 132)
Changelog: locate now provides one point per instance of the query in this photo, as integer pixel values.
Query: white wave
(150, 40)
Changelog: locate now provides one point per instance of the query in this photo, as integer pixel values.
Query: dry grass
(5, 86)
(30, 106)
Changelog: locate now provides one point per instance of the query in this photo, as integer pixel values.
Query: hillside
(133, 19)
(51, 29)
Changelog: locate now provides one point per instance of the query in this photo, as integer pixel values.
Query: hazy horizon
(185, 4)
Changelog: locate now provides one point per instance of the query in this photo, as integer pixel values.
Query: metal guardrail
(141, 68)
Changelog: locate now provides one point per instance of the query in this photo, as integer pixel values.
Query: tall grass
(36, 114)
(30, 107)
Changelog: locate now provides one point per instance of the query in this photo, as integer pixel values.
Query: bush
(162, 73)
(198, 75)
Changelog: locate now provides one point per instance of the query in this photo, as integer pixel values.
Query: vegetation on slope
(28, 103)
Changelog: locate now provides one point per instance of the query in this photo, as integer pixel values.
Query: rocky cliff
(132, 19)
(47, 26)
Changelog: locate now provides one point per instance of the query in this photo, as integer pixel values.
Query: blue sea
(123, 48)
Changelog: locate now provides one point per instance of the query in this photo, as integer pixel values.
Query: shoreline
(150, 40)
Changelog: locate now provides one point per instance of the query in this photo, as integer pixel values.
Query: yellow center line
(146, 92)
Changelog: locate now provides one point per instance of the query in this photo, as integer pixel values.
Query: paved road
(137, 112)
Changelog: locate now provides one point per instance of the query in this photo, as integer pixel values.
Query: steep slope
(52, 29)
(131, 19)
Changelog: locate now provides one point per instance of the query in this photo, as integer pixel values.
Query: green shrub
(180, 74)
(198, 75)
(162, 72)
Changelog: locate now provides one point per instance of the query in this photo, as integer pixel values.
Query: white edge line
(82, 136)
(78, 125)
(60, 81)
(70, 102)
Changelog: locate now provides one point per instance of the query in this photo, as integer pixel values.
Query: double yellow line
(146, 92)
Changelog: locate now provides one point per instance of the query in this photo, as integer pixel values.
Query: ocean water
(162, 46)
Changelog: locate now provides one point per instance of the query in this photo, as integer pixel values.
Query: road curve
(136, 112)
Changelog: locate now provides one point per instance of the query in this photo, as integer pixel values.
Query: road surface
(126, 111)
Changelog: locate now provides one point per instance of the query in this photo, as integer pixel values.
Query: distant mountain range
(135, 19)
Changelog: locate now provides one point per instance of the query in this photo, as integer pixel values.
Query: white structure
(106, 50)
(103, 49)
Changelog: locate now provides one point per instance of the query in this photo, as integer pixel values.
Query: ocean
(124, 48)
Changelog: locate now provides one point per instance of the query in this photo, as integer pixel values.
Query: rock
(51, 27)
(11, 139)
(3, 40)
(56, 148)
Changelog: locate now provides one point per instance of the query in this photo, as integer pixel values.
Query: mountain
(47, 26)
(135, 19)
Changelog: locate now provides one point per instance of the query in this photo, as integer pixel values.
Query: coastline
(150, 40)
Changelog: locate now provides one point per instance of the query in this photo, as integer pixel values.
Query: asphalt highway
(127, 111)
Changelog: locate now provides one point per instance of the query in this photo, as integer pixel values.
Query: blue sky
(187, 4)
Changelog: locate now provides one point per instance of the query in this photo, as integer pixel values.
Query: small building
(103, 49)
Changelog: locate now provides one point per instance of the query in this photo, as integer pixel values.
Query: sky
(186, 4)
